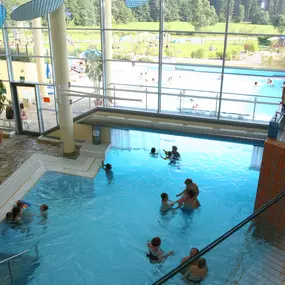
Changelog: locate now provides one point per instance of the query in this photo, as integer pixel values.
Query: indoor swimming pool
(96, 230)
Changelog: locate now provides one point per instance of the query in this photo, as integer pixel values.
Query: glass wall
(202, 58)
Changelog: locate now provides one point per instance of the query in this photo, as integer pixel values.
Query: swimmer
(191, 203)
(175, 154)
(153, 152)
(168, 155)
(16, 214)
(190, 185)
(109, 173)
(44, 209)
(270, 82)
(196, 273)
(193, 252)
(255, 83)
(155, 253)
(166, 204)
(9, 216)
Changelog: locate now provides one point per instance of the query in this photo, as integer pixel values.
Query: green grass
(183, 26)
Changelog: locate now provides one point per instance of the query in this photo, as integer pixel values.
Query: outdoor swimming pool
(96, 233)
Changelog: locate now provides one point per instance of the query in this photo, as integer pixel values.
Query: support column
(61, 71)
(108, 45)
(39, 51)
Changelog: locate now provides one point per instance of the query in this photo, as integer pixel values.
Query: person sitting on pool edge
(155, 253)
(166, 204)
(108, 170)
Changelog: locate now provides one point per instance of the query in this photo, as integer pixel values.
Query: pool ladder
(8, 260)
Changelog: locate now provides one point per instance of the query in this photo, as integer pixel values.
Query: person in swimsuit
(175, 155)
(191, 203)
(196, 273)
(109, 173)
(153, 152)
(193, 252)
(166, 204)
(155, 253)
(44, 210)
(190, 185)
(168, 155)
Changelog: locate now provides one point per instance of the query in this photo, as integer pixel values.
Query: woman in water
(155, 253)
(190, 186)
(197, 272)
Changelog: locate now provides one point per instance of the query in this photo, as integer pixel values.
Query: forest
(199, 13)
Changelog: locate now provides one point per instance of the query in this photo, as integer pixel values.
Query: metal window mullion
(103, 43)
(53, 75)
(39, 109)
(7, 53)
(224, 60)
(161, 28)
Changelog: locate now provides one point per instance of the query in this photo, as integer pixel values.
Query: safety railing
(251, 107)
(250, 252)
(12, 258)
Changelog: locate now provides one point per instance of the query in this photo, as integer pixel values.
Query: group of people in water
(14, 217)
(269, 82)
(187, 199)
(197, 269)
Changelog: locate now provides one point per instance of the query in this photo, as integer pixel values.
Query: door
(27, 108)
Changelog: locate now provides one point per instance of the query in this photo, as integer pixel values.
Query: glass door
(27, 108)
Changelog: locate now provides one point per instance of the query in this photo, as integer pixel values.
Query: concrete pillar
(40, 51)
(61, 71)
(96, 135)
(271, 183)
(108, 45)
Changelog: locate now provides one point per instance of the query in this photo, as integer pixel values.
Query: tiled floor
(16, 150)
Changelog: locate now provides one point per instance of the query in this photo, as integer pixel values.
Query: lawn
(84, 39)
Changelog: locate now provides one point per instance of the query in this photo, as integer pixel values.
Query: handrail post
(10, 272)
(180, 103)
(253, 115)
(216, 109)
(146, 98)
(114, 95)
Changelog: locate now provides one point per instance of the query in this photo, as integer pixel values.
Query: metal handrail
(14, 256)
(202, 91)
(219, 240)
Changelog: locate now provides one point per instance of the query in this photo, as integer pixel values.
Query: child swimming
(155, 253)
(109, 173)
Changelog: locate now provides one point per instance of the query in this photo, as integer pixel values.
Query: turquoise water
(96, 232)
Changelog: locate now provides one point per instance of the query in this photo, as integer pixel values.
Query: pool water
(96, 232)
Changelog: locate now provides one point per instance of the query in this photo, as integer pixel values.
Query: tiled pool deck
(23, 160)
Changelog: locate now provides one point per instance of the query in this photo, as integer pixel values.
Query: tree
(142, 13)
(185, 13)
(241, 13)
(279, 24)
(171, 11)
(261, 18)
(154, 6)
(94, 67)
(121, 13)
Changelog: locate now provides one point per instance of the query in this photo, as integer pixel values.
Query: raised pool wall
(271, 183)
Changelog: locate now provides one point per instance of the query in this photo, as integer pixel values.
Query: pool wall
(22, 180)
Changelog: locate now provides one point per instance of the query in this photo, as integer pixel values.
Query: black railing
(219, 240)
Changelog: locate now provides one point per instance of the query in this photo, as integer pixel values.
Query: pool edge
(27, 175)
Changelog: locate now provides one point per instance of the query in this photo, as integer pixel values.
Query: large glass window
(182, 58)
